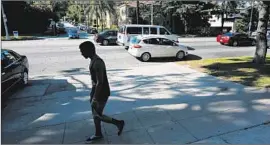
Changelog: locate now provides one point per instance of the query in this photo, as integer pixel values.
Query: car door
(8, 71)
(153, 46)
(167, 48)
(14, 66)
(17, 65)
(243, 39)
(108, 36)
(5, 74)
(114, 37)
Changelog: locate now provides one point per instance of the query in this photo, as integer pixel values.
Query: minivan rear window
(135, 40)
(134, 30)
(122, 29)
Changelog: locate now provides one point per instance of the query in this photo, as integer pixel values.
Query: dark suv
(107, 37)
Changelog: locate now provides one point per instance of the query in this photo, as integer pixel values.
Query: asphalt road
(51, 56)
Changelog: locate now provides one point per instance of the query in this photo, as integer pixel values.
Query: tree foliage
(27, 18)
(75, 13)
(99, 9)
(190, 13)
(242, 25)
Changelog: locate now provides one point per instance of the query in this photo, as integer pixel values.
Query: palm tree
(99, 9)
(261, 47)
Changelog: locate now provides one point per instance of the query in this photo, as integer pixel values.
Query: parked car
(147, 47)
(127, 31)
(73, 32)
(60, 28)
(14, 70)
(218, 37)
(236, 39)
(106, 37)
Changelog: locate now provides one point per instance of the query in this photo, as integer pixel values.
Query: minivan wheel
(145, 56)
(105, 42)
(235, 43)
(180, 55)
(25, 78)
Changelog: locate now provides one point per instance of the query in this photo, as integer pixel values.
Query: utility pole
(250, 21)
(137, 11)
(5, 22)
(152, 11)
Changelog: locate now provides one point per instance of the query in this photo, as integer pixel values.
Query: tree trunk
(261, 46)
(222, 21)
(137, 11)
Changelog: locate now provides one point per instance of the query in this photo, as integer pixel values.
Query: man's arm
(99, 67)
(92, 90)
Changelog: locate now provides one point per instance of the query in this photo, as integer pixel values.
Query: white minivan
(127, 31)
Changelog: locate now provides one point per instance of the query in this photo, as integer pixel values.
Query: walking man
(100, 91)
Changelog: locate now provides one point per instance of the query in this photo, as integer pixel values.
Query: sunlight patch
(224, 105)
(196, 108)
(33, 140)
(46, 117)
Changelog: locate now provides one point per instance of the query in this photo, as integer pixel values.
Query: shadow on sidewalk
(191, 100)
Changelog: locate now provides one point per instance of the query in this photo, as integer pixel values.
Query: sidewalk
(160, 104)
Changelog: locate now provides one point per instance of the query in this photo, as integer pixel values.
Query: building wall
(123, 15)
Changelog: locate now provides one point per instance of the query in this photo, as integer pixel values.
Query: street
(59, 55)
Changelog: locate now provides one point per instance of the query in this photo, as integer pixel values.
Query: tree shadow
(190, 99)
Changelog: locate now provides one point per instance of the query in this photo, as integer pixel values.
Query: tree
(99, 9)
(225, 8)
(189, 13)
(261, 46)
(27, 19)
(74, 12)
(242, 24)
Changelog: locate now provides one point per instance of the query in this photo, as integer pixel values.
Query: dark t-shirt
(98, 71)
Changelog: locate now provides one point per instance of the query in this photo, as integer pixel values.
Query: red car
(218, 37)
(236, 39)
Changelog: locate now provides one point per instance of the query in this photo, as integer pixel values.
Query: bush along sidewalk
(20, 38)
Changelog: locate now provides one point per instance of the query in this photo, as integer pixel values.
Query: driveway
(163, 103)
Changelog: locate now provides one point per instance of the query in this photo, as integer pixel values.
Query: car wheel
(222, 43)
(145, 56)
(25, 78)
(105, 42)
(180, 55)
(253, 43)
(235, 43)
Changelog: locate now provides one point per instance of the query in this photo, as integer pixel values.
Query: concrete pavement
(164, 103)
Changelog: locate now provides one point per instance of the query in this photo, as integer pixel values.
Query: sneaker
(121, 127)
(93, 139)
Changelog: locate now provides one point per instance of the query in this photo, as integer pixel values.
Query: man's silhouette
(100, 90)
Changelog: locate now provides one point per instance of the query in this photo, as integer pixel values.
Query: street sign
(16, 34)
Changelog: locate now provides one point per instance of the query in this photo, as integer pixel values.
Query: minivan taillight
(137, 46)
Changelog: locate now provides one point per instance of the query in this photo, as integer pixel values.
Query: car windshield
(103, 32)
(73, 30)
(228, 34)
